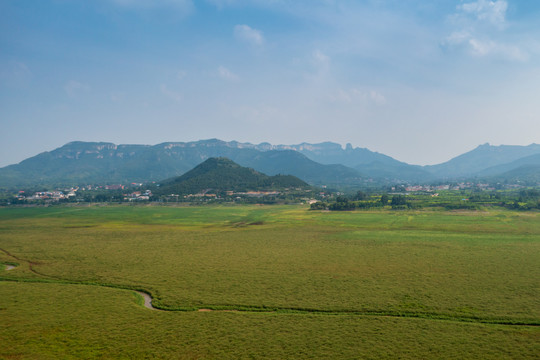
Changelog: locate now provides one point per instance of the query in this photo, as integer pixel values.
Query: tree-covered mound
(218, 175)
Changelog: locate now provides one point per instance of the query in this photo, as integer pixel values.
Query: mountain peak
(215, 162)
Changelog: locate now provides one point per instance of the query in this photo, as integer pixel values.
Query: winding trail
(147, 303)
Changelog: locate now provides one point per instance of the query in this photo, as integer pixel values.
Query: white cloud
(175, 96)
(220, 4)
(320, 73)
(185, 5)
(15, 73)
(457, 37)
(248, 34)
(354, 95)
(481, 30)
(116, 96)
(491, 11)
(181, 74)
(509, 52)
(73, 88)
(376, 97)
(482, 47)
(320, 59)
(227, 74)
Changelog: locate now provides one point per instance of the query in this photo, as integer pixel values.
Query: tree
(342, 199)
(360, 195)
(318, 206)
(399, 200)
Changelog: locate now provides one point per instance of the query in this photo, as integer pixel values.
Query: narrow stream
(147, 300)
(148, 304)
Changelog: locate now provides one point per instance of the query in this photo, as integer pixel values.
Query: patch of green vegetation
(74, 322)
(284, 267)
(525, 199)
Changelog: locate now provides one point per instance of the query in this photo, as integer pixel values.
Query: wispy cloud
(173, 95)
(73, 88)
(354, 95)
(184, 5)
(320, 59)
(220, 4)
(510, 52)
(319, 63)
(116, 96)
(248, 34)
(181, 74)
(486, 10)
(480, 28)
(15, 73)
(227, 74)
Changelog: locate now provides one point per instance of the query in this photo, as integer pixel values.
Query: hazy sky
(421, 81)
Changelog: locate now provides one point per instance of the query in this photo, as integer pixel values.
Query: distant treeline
(528, 199)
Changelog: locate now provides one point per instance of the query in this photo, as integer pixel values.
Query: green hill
(221, 174)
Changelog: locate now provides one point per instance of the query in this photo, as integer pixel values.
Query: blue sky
(421, 81)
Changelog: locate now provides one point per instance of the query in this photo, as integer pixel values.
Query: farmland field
(296, 283)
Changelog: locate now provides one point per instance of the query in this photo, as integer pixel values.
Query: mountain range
(326, 163)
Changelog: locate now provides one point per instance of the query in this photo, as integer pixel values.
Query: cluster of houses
(67, 194)
(138, 196)
(48, 195)
(458, 186)
(206, 194)
(428, 188)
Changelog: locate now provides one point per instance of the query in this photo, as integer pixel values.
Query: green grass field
(302, 284)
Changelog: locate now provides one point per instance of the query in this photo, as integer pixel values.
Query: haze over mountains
(320, 164)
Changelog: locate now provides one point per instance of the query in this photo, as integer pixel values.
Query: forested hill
(221, 174)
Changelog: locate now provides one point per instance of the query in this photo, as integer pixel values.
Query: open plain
(275, 281)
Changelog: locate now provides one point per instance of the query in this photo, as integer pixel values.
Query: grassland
(305, 284)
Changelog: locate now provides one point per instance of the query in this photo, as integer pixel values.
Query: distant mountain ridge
(532, 160)
(485, 156)
(326, 163)
(98, 162)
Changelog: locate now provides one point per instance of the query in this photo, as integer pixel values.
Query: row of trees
(362, 201)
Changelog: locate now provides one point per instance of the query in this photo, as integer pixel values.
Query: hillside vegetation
(219, 175)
